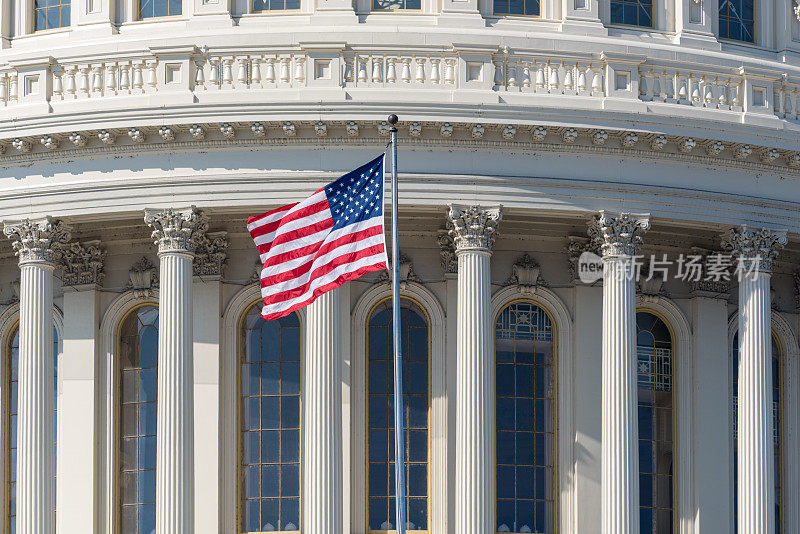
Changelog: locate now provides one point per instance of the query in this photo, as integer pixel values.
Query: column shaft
(35, 417)
(475, 425)
(620, 451)
(322, 432)
(175, 425)
(756, 486)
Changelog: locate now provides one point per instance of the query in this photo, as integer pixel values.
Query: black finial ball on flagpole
(392, 119)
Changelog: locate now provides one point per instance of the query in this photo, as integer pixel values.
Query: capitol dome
(599, 221)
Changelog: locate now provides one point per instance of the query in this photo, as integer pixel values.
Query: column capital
(210, 253)
(176, 230)
(473, 227)
(756, 247)
(34, 241)
(618, 234)
(82, 263)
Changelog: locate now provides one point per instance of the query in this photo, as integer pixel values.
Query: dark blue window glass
(525, 415)
(654, 361)
(517, 7)
(380, 418)
(13, 377)
(776, 421)
(138, 348)
(737, 20)
(149, 9)
(270, 423)
(632, 12)
(50, 14)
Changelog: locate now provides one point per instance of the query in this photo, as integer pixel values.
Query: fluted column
(322, 429)
(473, 231)
(175, 233)
(34, 243)
(619, 236)
(755, 250)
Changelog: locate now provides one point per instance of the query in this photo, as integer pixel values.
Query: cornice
(130, 140)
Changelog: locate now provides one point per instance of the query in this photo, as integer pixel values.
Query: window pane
(777, 358)
(632, 12)
(736, 20)
(270, 419)
(525, 419)
(139, 362)
(51, 15)
(654, 378)
(415, 341)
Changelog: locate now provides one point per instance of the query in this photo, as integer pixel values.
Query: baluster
(597, 81)
(58, 82)
(214, 71)
(138, 84)
(348, 68)
(420, 77)
(511, 68)
(405, 74)
(723, 94)
(227, 71)
(97, 80)
(695, 89)
(450, 70)
(3, 88)
(643, 85)
(670, 83)
(269, 76)
(539, 81)
(568, 78)
(362, 69)
(255, 65)
(435, 78)
(683, 91)
(111, 79)
(300, 70)
(241, 73)
(152, 81)
(526, 75)
(69, 84)
(499, 75)
(199, 74)
(795, 102)
(391, 71)
(581, 79)
(657, 91)
(284, 76)
(737, 94)
(555, 83)
(376, 70)
(709, 92)
(83, 80)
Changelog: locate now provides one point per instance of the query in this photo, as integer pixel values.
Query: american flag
(316, 245)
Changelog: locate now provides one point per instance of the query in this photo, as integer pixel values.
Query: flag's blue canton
(358, 195)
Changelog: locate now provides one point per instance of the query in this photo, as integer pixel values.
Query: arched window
(776, 414)
(737, 20)
(12, 372)
(138, 350)
(149, 9)
(524, 359)
(50, 14)
(415, 339)
(655, 378)
(270, 423)
(632, 12)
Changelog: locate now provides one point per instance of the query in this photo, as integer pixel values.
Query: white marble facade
(133, 147)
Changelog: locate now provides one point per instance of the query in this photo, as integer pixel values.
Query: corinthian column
(473, 231)
(619, 236)
(34, 243)
(755, 249)
(175, 233)
(322, 411)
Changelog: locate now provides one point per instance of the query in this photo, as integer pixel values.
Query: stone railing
(520, 77)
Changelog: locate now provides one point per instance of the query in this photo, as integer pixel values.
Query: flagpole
(399, 441)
